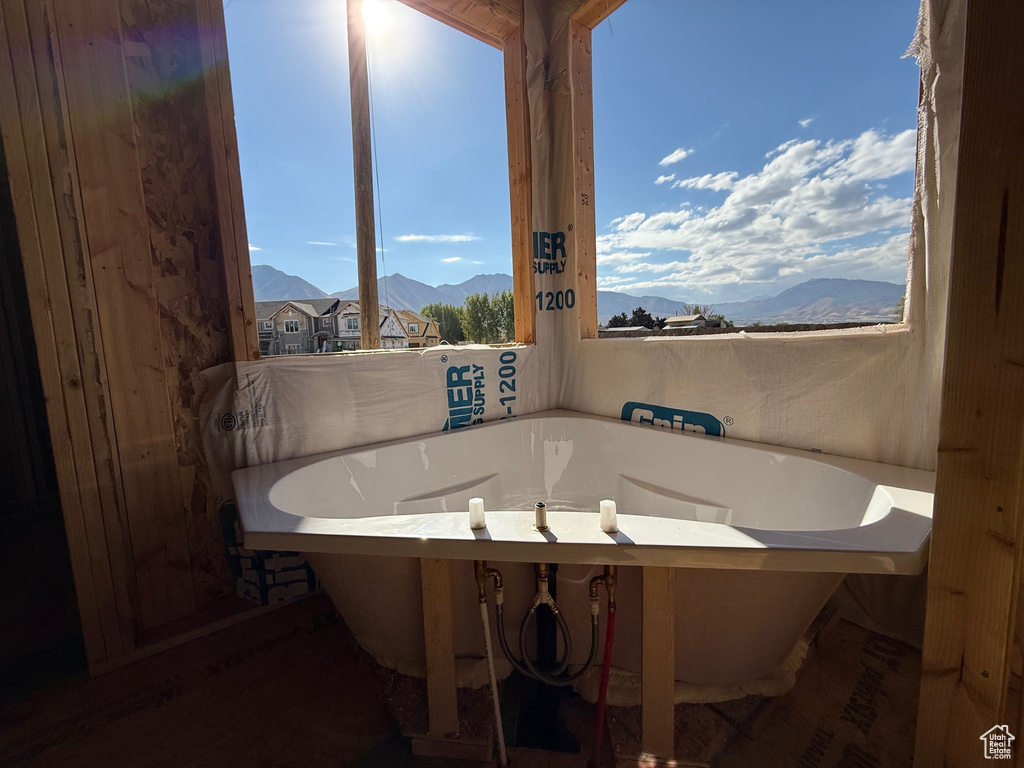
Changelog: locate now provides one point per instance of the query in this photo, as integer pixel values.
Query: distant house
(349, 323)
(292, 327)
(421, 330)
(686, 321)
(320, 325)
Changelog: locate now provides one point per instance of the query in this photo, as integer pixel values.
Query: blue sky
(740, 147)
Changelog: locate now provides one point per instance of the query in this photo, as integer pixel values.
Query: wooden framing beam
(234, 239)
(489, 21)
(978, 527)
(520, 181)
(581, 74)
(115, 222)
(362, 171)
(658, 663)
(442, 701)
(593, 12)
(40, 170)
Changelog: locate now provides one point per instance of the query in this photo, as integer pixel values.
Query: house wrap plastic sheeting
(292, 406)
(866, 393)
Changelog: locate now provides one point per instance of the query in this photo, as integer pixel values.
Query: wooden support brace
(362, 171)
(658, 678)
(442, 701)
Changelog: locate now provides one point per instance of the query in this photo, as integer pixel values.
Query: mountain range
(822, 300)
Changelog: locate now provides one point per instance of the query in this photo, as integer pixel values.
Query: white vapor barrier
(301, 405)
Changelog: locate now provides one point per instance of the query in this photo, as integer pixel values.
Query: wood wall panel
(165, 79)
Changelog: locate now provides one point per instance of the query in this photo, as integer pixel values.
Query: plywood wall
(123, 232)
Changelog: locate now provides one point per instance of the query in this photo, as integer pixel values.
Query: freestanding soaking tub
(761, 536)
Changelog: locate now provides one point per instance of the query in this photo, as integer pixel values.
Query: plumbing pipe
(477, 520)
(609, 524)
(540, 509)
(606, 666)
(543, 596)
(481, 580)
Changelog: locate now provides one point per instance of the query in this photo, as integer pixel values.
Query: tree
(503, 308)
(618, 321)
(478, 319)
(642, 317)
(899, 311)
(448, 319)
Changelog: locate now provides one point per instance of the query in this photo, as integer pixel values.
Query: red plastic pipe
(602, 692)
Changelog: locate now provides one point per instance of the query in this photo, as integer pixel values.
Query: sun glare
(376, 16)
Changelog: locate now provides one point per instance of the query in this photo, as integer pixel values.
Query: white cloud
(436, 238)
(878, 157)
(319, 242)
(719, 182)
(815, 209)
(663, 179)
(253, 248)
(451, 259)
(805, 122)
(675, 156)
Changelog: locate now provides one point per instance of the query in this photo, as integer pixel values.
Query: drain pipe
(482, 572)
(609, 580)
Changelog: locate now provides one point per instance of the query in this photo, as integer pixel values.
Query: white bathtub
(761, 535)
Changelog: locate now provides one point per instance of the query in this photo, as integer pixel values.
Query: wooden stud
(68, 345)
(593, 12)
(585, 233)
(234, 238)
(362, 170)
(657, 672)
(442, 704)
(115, 222)
(978, 527)
(520, 180)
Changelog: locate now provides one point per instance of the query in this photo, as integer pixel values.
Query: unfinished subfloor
(289, 689)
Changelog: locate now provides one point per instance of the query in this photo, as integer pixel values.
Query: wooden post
(581, 85)
(658, 678)
(520, 181)
(978, 527)
(442, 708)
(227, 175)
(362, 170)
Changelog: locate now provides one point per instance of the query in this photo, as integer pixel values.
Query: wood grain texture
(585, 233)
(362, 171)
(975, 567)
(593, 12)
(520, 182)
(89, 36)
(173, 128)
(489, 21)
(442, 702)
(231, 234)
(62, 307)
(658, 679)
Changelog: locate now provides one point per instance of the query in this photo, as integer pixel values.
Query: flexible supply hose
(552, 677)
(602, 691)
(494, 683)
